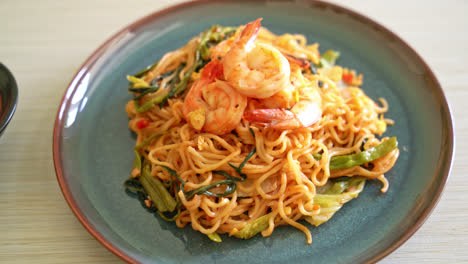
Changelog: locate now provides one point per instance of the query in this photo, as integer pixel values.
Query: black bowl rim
(12, 98)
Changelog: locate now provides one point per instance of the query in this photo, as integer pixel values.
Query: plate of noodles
(253, 135)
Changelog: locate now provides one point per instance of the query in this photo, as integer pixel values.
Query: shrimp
(282, 99)
(303, 114)
(213, 105)
(255, 69)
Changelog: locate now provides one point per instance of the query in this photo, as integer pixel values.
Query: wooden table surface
(45, 42)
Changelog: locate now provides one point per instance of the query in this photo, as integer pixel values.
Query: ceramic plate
(93, 145)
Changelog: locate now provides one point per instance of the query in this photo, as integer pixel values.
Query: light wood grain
(44, 43)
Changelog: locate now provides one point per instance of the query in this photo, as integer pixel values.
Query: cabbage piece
(334, 198)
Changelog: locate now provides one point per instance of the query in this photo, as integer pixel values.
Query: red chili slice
(348, 78)
(142, 123)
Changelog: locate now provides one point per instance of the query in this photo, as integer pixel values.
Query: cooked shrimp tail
(303, 114)
(301, 62)
(250, 32)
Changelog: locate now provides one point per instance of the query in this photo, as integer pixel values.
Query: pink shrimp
(213, 105)
(303, 114)
(255, 69)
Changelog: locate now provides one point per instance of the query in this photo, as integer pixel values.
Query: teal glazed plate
(93, 147)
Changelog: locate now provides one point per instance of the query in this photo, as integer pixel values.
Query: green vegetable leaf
(149, 104)
(328, 58)
(148, 140)
(147, 69)
(254, 227)
(160, 77)
(252, 132)
(215, 237)
(137, 161)
(358, 159)
(230, 183)
(239, 169)
(132, 184)
(230, 188)
(156, 190)
(143, 91)
(348, 161)
(174, 174)
(213, 36)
